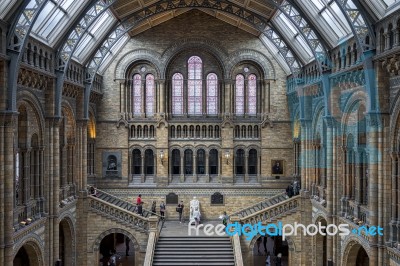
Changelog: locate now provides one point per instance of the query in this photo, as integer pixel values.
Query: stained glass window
(177, 94)
(239, 95)
(252, 95)
(212, 94)
(149, 95)
(195, 86)
(137, 94)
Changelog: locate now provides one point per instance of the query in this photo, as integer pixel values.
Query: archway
(28, 255)
(121, 246)
(275, 246)
(357, 255)
(117, 239)
(66, 243)
(321, 245)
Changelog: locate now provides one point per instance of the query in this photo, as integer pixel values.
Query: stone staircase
(193, 250)
(120, 203)
(249, 211)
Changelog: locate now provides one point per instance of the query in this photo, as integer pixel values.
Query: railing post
(151, 244)
(237, 250)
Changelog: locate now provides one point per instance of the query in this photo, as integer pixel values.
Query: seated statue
(194, 211)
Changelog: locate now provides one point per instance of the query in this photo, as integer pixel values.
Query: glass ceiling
(325, 17)
(54, 18)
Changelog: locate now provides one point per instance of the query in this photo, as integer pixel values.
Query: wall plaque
(171, 198)
(217, 199)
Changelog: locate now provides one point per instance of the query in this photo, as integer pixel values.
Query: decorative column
(227, 97)
(142, 168)
(182, 177)
(7, 124)
(345, 181)
(246, 168)
(387, 41)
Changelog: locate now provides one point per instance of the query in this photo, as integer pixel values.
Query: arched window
(136, 161)
(149, 162)
(195, 84)
(239, 162)
(213, 162)
(149, 95)
(176, 162)
(188, 162)
(239, 95)
(137, 94)
(252, 95)
(177, 94)
(252, 163)
(201, 161)
(212, 94)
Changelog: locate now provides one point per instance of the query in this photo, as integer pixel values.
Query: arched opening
(28, 255)
(320, 246)
(66, 243)
(118, 247)
(357, 256)
(274, 246)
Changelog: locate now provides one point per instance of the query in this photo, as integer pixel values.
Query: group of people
(139, 209)
(293, 189)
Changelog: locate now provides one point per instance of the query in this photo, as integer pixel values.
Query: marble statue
(194, 211)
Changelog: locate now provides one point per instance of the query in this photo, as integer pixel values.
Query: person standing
(153, 208)
(179, 209)
(162, 210)
(139, 204)
(127, 241)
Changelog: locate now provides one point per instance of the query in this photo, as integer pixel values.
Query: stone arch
(359, 98)
(243, 55)
(67, 230)
(137, 55)
(320, 242)
(352, 247)
(34, 248)
(25, 96)
(97, 241)
(209, 46)
(394, 128)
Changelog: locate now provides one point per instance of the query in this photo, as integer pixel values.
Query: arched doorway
(356, 255)
(119, 244)
(66, 243)
(28, 255)
(275, 246)
(320, 245)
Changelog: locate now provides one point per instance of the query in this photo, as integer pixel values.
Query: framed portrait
(277, 167)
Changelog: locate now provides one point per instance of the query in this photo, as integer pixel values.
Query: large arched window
(177, 94)
(137, 94)
(252, 163)
(136, 161)
(188, 162)
(195, 97)
(246, 95)
(213, 162)
(252, 95)
(150, 95)
(212, 94)
(239, 162)
(195, 84)
(176, 162)
(201, 162)
(149, 162)
(239, 95)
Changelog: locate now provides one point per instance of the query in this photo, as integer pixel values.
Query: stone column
(142, 168)
(398, 198)
(373, 143)
(246, 168)
(8, 123)
(207, 166)
(227, 97)
(182, 177)
(163, 98)
(387, 41)
(56, 191)
(267, 97)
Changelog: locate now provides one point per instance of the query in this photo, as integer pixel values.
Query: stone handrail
(273, 211)
(264, 201)
(151, 243)
(237, 250)
(146, 213)
(119, 214)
